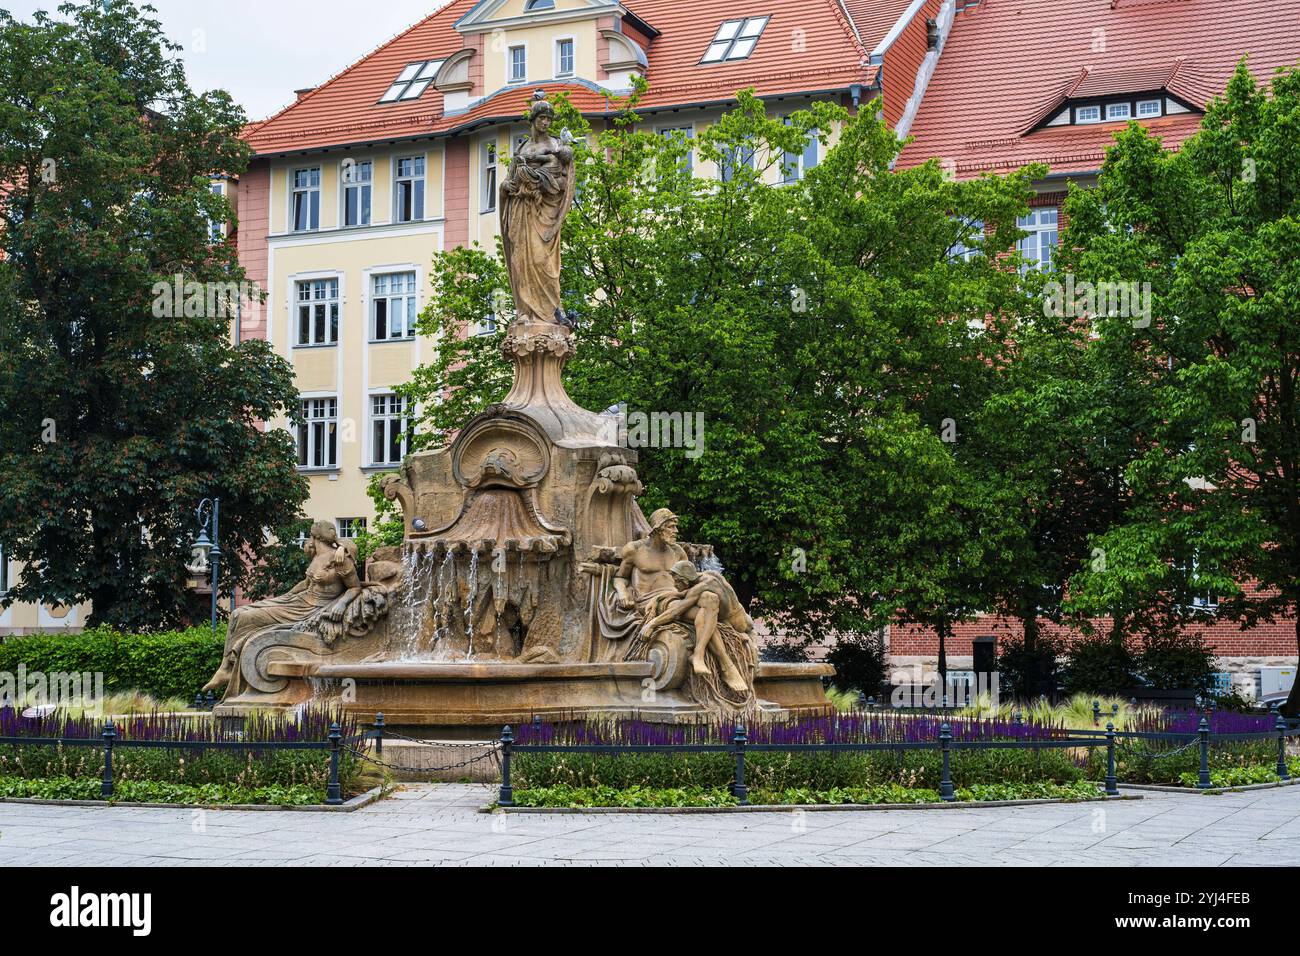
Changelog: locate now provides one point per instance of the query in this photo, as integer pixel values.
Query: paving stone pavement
(442, 824)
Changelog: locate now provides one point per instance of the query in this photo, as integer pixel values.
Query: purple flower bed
(827, 728)
(311, 723)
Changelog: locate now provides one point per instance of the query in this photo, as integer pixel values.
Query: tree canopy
(122, 404)
(831, 331)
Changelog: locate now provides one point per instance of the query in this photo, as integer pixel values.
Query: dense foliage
(833, 362)
(122, 405)
(164, 664)
(1214, 230)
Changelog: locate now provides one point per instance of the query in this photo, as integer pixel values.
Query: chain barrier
(1134, 752)
(491, 753)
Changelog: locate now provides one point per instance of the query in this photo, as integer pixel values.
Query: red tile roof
(875, 18)
(1009, 64)
(807, 46)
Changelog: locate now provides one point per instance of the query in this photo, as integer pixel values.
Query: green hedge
(165, 664)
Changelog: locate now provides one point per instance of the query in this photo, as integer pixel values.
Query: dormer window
(532, 5)
(412, 82)
(1111, 111)
(735, 40)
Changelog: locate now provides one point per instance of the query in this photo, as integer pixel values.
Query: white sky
(263, 50)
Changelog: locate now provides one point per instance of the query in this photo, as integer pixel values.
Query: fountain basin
(486, 696)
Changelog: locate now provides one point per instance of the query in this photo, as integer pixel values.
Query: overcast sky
(263, 50)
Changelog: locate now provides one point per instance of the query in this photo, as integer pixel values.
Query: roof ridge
(838, 11)
(360, 60)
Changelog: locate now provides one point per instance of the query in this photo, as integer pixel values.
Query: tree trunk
(1292, 706)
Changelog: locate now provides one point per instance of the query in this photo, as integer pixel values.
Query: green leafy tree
(1213, 229)
(821, 328)
(115, 422)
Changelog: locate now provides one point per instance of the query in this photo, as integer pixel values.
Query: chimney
(304, 91)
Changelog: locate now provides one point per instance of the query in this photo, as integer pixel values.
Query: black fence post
(106, 788)
(1096, 713)
(1281, 748)
(1112, 784)
(738, 740)
(211, 700)
(945, 779)
(198, 700)
(379, 734)
(333, 792)
(506, 798)
(1203, 782)
(1017, 718)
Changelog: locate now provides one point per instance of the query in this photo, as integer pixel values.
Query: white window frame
(361, 186)
(735, 40)
(731, 160)
(1159, 104)
(1079, 118)
(689, 133)
(412, 82)
(490, 174)
(533, 6)
(318, 433)
(349, 527)
(307, 192)
(333, 318)
(794, 172)
(511, 78)
(386, 418)
(216, 228)
(559, 57)
(959, 249)
(417, 215)
(410, 299)
(1033, 245)
(1116, 112)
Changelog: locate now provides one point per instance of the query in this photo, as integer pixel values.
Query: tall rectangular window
(564, 57)
(217, 228)
(388, 429)
(409, 185)
(490, 172)
(687, 133)
(358, 181)
(733, 157)
(392, 307)
(794, 166)
(1040, 245)
(518, 64)
(4, 572)
(318, 443)
(306, 199)
(318, 312)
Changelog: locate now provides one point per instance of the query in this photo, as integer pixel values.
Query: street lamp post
(209, 517)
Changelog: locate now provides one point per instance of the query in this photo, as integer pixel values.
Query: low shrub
(860, 662)
(1177, 661)
(1025, 673)
(1232, 776)
(892, 793)
(149, 791)
(164, 664)
(1099, 665)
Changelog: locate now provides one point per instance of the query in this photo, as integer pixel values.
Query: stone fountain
(530, 581)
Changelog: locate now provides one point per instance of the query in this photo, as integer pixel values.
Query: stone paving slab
(444, 824)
